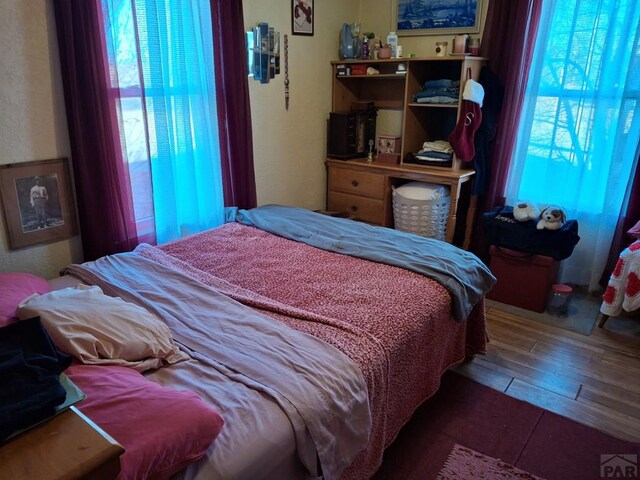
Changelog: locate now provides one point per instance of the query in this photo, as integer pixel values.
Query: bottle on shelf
(392, 41)
(365, 49)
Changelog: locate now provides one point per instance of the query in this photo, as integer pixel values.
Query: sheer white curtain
(161, 61)
(580, 126)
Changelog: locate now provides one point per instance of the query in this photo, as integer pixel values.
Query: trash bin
(421, 208)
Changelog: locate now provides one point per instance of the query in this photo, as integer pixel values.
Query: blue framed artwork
(435, 17)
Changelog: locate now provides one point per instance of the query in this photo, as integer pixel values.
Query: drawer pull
(354, 208)
(355, 183)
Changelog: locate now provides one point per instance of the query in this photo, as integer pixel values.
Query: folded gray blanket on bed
(462, 273)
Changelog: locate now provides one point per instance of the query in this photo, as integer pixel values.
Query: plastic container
(474, 46)
(559, 300)
(421, 208)
(392, 41)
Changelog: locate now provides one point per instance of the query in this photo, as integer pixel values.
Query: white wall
(290, 146)
(33, 125)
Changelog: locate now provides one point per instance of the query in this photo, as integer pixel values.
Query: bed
(315, 338)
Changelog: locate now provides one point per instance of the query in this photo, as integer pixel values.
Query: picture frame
(38, 202)
(302, 17)
(435, 17)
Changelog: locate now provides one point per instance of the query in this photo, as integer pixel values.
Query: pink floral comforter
(396, 325)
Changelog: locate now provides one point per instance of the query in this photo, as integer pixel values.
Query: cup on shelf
(384, 52)
(460, 43)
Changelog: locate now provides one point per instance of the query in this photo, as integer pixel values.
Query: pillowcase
(96, 328)
(15, 287)
(161, 429)
(635, 230)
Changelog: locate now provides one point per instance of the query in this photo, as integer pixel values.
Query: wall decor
(435, 17)
(263, 49)
(38, 202)
(302, 17)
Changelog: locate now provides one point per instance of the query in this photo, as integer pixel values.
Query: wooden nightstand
(68, 446)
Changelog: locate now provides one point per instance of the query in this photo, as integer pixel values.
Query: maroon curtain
(101, 179)
(234, 112)
(508, 41)
(629, 216)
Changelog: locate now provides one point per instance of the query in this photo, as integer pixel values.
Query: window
(162, 82)
(581, 122)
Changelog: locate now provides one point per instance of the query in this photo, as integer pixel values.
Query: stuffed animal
(524, 211)
(551, 218)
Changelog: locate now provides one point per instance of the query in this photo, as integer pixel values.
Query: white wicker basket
(427, 218)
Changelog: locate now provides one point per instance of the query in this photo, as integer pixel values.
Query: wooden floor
(593, 379)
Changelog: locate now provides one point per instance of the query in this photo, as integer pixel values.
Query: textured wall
(290, 146)
(32, 123)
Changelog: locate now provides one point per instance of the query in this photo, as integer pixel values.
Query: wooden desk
(69, 446)
(364, 190)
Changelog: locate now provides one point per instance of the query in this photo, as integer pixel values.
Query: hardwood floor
(592, 379)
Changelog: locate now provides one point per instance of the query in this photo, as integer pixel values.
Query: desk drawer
(359, 183)
(360, 208)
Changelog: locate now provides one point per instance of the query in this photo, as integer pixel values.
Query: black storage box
(503, 230)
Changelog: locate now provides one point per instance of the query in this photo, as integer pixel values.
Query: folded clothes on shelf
(438, 152)
(438, 91)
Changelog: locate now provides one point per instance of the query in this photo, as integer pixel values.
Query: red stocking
(461, 139)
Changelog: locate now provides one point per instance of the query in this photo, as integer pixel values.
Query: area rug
(469, 414)
(581, 317)
(466, 463)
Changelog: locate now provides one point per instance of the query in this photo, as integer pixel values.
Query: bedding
(460, 272)
(161, 429)
(98, 329)
(15, 287)
(315, 384)
(394, 329)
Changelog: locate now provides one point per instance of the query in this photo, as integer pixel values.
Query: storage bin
(559, 300)
(523, 280)
(421, 208)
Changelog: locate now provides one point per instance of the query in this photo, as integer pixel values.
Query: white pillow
(98, 329)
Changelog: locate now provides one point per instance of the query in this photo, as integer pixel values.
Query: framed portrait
(302, 17)
(38, 202)
(435, 17)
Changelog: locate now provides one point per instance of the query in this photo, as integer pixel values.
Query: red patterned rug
(488, 422)
(464, 463)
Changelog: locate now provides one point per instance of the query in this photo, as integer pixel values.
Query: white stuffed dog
(551, 218)
(524, 211)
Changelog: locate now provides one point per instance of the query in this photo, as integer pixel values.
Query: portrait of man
(39, 202)
(39, 197)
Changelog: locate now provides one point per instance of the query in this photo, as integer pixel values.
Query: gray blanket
(465, 277)
(319, 388)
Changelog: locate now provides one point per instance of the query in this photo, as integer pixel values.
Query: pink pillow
(161, 429)
(635, 230)
(15, 287)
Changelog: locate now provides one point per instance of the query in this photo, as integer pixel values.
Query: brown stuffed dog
(551, 218)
